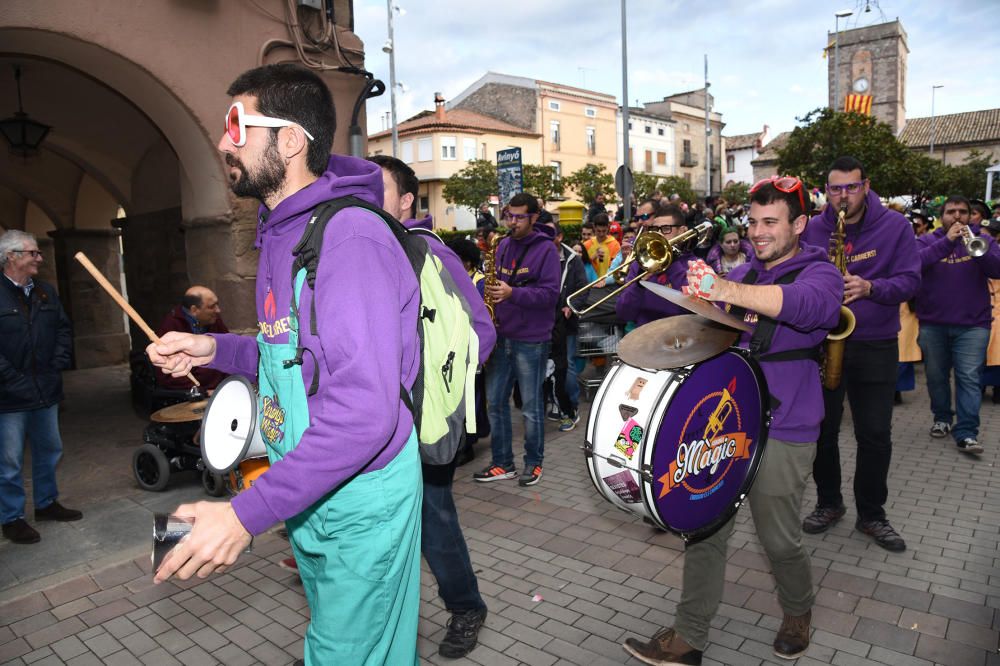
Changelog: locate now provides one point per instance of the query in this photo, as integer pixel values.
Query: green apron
(357, 548)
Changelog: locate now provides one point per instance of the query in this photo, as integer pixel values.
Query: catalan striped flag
(858, 104)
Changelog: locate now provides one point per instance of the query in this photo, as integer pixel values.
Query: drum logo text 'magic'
(714, 447)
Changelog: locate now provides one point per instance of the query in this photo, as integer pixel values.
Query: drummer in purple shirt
(954, 310)
(883, 270)
(791, 296)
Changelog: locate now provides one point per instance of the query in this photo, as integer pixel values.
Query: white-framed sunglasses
(237, 121)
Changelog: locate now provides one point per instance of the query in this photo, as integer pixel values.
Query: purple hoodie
(638, 304)
(810, 308)
(955, 290)
(481, 321)
(881, 249)
(366, 307)
(714, 256)
(527, 315)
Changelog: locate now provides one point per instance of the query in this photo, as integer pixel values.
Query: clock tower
(872, 62)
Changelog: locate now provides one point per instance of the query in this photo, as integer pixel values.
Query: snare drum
(680, 447)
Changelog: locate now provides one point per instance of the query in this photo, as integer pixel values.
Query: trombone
(653, 251)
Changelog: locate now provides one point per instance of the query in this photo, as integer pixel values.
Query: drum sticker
(627, 411)
(705, 446)
(623, 485)
(637, 386)
(272, 420)
(629, 439)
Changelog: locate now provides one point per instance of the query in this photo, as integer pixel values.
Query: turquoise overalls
(357, 548)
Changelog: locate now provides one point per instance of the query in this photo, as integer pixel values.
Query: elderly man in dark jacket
(36, 342)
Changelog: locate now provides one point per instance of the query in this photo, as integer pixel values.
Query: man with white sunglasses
(330, 360)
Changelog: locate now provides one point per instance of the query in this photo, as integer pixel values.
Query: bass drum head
(709, 445)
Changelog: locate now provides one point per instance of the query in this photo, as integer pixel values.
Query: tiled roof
(954, 128)
(426, 122)
(741, 141)
(770, 152)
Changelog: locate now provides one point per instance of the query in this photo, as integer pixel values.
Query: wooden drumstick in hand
(122, 303)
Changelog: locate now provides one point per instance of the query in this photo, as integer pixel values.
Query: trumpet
(974, 245)
(653, 251)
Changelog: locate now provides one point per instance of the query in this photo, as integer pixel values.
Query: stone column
(99, 333)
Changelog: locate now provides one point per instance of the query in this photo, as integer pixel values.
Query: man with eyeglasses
(332, 360)
(36, 345)
(883, 270)
(527, 267)
(955, 315)
(640, 305)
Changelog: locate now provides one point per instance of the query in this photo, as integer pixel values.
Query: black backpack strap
(763, 334)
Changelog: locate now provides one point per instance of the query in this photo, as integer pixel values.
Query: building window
(687, 177)
(687, 128)
(407, 151)
(649, 130)
(659, 131)
(558, 169)
(468, 149)
(730, 164)
(424, 202)
(630, 127)
(483, 157)
(591, 141)
(554, 105)
(425, 149)
(554, 133)
(661, 158)
(590, 112)
(448, 144)
(649, 161)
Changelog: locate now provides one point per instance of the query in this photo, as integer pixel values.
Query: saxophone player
(883, 270)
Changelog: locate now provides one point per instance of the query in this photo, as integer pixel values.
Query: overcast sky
(765, 57)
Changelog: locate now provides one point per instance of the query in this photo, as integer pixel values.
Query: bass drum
(680, 447)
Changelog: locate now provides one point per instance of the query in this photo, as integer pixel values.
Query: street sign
(510, 174)
(623, 181)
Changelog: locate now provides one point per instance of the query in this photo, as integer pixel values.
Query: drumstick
(122, 303)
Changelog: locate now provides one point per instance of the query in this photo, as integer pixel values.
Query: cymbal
(674, 342)
(696, 305)
(181, 412)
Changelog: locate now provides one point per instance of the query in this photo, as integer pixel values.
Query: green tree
(672, 185)
(471, 186)
(542, 182)
(967, 179)
(736, 193)
(591, 180)
(643, 185)
(824, 135)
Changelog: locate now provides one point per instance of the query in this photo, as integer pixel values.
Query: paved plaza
(567, 577)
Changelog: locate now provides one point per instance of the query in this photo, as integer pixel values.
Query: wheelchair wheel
(151, 468)
(214, 484)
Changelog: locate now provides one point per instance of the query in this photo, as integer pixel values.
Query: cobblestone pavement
(567, 577)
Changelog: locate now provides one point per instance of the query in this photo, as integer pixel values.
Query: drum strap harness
(760, 340)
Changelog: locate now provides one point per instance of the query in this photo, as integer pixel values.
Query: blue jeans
(572, 385)
(524, 362)
(443, 544)
(962, 348)
(41, 426)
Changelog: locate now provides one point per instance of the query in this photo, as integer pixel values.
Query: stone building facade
(687, 109)
(872, 62)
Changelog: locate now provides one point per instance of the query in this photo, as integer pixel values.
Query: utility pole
(708, 137)
(626, 162)
(933, 119)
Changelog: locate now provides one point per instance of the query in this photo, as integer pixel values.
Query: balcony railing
(689, 160)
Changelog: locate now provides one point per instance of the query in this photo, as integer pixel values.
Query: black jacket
(572, 278)
(36, 345)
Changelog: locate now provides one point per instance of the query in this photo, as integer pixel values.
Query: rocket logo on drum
(272, 420)
(711, 440)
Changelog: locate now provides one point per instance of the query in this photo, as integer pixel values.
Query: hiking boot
(665, 647)
(569, 423)
(940, 429)
(19, 531)
(822, 518)
(57, 511)
(463, 633)
(530, 477)
(495, 473)
(883, 533)
(969, 445)
(792, 640)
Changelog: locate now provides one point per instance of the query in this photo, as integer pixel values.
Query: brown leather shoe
(19, 531)
(792, 640)
(664, 648)
(57, 511)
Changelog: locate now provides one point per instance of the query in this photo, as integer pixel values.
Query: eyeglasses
(850, 188)
(665, 227)
(786, 184)
(516, 217)
(643, 217)
(33, 253)
(237, 121)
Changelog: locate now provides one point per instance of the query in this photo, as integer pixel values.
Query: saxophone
(490, 270)
(833, 358)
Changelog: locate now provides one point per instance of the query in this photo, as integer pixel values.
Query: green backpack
(443, 396)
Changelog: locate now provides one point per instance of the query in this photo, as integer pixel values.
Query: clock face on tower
(861, 85)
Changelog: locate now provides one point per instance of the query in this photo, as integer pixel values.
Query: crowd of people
(347, 478)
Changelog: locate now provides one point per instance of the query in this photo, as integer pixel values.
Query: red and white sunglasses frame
(245, 120)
